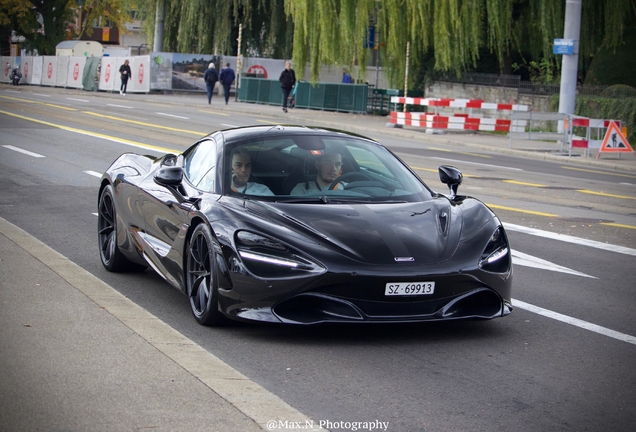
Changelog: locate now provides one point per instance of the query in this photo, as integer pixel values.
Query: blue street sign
(563, 46)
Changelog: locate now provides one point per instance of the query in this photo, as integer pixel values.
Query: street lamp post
(80, 5)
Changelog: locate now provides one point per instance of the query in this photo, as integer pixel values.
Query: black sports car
(302, 225)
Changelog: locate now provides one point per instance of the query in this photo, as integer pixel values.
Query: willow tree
(211, 26)
(453, 32)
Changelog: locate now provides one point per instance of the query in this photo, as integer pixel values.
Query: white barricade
(458, 103)
(37, 70)
(26, 67)
(8, 63)
(140, 66)
(139, 81)
(49, 71)
(594, 132)
(538, 127)
(108, 73)
(75, 72)
(457, 121)
(62, 70)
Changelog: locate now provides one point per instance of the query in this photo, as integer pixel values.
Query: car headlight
(269, 258)
(496, 256)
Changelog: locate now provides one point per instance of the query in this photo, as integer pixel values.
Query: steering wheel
(351, 175)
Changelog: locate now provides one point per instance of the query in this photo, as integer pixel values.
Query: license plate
(409, 288)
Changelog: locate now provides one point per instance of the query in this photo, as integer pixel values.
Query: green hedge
(623, 109)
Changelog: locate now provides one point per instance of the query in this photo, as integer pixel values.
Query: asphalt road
(563, 360)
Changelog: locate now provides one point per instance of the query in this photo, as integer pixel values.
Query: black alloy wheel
(111, 257)
(201, 277)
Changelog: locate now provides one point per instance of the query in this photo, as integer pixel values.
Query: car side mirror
(169, 176)
(452, 177)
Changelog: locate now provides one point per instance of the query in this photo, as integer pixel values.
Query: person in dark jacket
(287, 82)
(227, 77)
(125, 72)
(15, 76)
(211, 76)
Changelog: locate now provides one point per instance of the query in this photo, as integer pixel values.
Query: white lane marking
(522, 259)
(94, 134)
(574, 321)
(39, 94)
(228, 125)
(93, 173)
(628, 184)
(120, 106)
(172, 115)
(78, 100)
(477, 163)
(26, 152)
(570, 239)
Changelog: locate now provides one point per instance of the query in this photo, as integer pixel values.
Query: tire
(201, 277)
(112, 258)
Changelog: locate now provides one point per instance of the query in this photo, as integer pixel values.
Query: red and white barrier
(600, 125)
(458, 103)
(457, 122)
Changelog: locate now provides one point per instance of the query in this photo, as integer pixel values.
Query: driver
(241, 170)
(329, 166)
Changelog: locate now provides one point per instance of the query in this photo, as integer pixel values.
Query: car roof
(234, 135)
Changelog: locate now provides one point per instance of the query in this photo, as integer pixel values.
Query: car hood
(422, 232)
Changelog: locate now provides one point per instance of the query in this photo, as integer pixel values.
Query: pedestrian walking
(346, 77)
(287, 82)
(126, 73)
(211, 76)
(227, 77)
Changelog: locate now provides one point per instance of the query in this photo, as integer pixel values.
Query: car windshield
(319, 169)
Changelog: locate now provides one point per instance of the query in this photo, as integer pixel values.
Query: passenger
(329, 166)
(241, 170)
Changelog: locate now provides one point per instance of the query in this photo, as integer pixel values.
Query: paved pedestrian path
(76, 355)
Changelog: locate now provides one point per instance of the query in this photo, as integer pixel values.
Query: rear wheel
(201, 277)
(112, 258)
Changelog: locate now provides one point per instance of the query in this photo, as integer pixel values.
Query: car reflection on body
(376, 245)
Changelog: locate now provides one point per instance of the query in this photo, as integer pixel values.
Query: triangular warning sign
(614, 141)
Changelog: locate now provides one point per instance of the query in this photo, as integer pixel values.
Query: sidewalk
(76, 355)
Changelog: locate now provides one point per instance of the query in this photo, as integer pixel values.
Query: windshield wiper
(306, 200)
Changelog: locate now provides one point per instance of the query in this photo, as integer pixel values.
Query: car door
(166, 210)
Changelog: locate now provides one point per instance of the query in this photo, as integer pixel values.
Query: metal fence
(485, 79)
(534, 88)
(322, 96)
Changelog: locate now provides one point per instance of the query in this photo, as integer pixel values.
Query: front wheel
(201, 277)
(112, 258)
